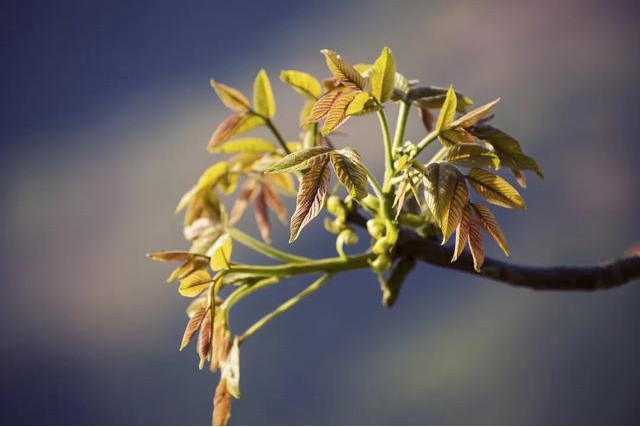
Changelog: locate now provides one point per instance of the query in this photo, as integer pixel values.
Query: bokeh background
(106, 111)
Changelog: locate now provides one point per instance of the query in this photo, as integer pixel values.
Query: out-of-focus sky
(106, 111)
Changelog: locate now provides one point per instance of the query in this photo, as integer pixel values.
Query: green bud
(381, 263)
(349, 237)
(376, 228)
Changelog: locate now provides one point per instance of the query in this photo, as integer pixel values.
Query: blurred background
(106, 112)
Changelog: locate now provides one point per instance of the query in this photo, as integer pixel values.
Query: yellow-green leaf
(321, 107)
(383, 76)
(494, 189)
(453, 136)
(311, 195)
(350, 171)
(441, 183)
(473, 117)
(303, 83)
(194, 283)
(337, 114)
(447, 111)
(476, 244)
(263, 101)
(462, 232)
(231, 97)
(220, 252)
(343, 71)
(299, 160)
(254, 145)
(235, 124)
(489, 222)
(362, 103)
(472, 156)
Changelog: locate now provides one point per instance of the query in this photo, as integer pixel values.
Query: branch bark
(557, 278)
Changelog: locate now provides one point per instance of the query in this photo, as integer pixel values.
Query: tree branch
(557, 278)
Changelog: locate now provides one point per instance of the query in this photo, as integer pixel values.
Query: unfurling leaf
(246, 145)
(337, 113)
(231, 97)
(474, 116)
(310, 200)
(230, 369)
(220, 252)
(343, 71)
(434, 97)
(489, 222)
(494, 189)
(303, 83)
(170, 256)
(321, 107)
(506, 148)
(391, 287)
(462, 232)
(262, 217)
(275, 203)
(383, 76)
(221, 404)
(447, 111)
(247, 192)
(454, 136)
(195, 320)
(446, 195)
(476, 243)
(361, 104)
(472, 156)
(194, 264)
(194, 283)
(207, 180)
(350, 171)
(233, 125)
(299, 160)
(263, 102)
(204, 339)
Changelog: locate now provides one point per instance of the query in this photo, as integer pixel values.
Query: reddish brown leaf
(427, 118)
(275, 203)
(195, 321)
(262, 217)
(204, 339)
(221, 404)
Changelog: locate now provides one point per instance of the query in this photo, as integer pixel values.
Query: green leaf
(448, 110)
(303, 83)
(476, 243)
(361, 104)
(311, 195)
(383, 76)
(231, 97)
(263, 102)
(299, 160)
(220, 252)
(462, 233)
(254, 145)
(494, 189)
(350, 171)
(343, 71)
(472, 156)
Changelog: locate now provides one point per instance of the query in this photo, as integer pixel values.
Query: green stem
(284, 307)
(439, 155)
(244, 291)
(327, 265)
(263, 248)
(403, 114)
(388, 153)
(277, 134)
(425, 142)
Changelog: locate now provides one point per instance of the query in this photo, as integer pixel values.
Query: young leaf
(462, 232)
(299, 160)
(427, 118)
(275, 203)
(337, 113)
(476, 243)
(170, 256)
(310, 200)
(321, 107)
(454, 136)
(233, 125)
(434, 97)
(383, 76)
(343, 71)
(361, 104)
(248, 191)
(230, 369)
(472, 156)
(473, 117)
(303, 83)
(213, 175)
(195, 320)
(204, 338)
(220, 252)
(447, 111)
(262, 217)
(350, 171)
(489, 222)
(194, 283)
(221, 404)
(494, 189)
(241, 145)
(263, 102)
(506, 148)
(231, 97)
(459, 199)
(441, 185)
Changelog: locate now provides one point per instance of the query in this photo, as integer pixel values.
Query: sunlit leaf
(221, 404)
(462, 232)
(194, 264)
(350, 171)
(231, 97)
(494, 189)
(453, 136)
(321, 107)
(310, 200)
(204, 338)
(447, 111)
(383, 76)
(446, 194)
(472, 156)
(303, 83)
(474, 116)
(343, 71)
(170, 256)
(283, 182)
(194, 283)
(258, 145)
(299, 160)
(220, 252)
(337, 113)
(195, 320)
(476, 244)
(361, 104)
(263, 101)
(262, 217)
(489, 222)
(434, 97)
